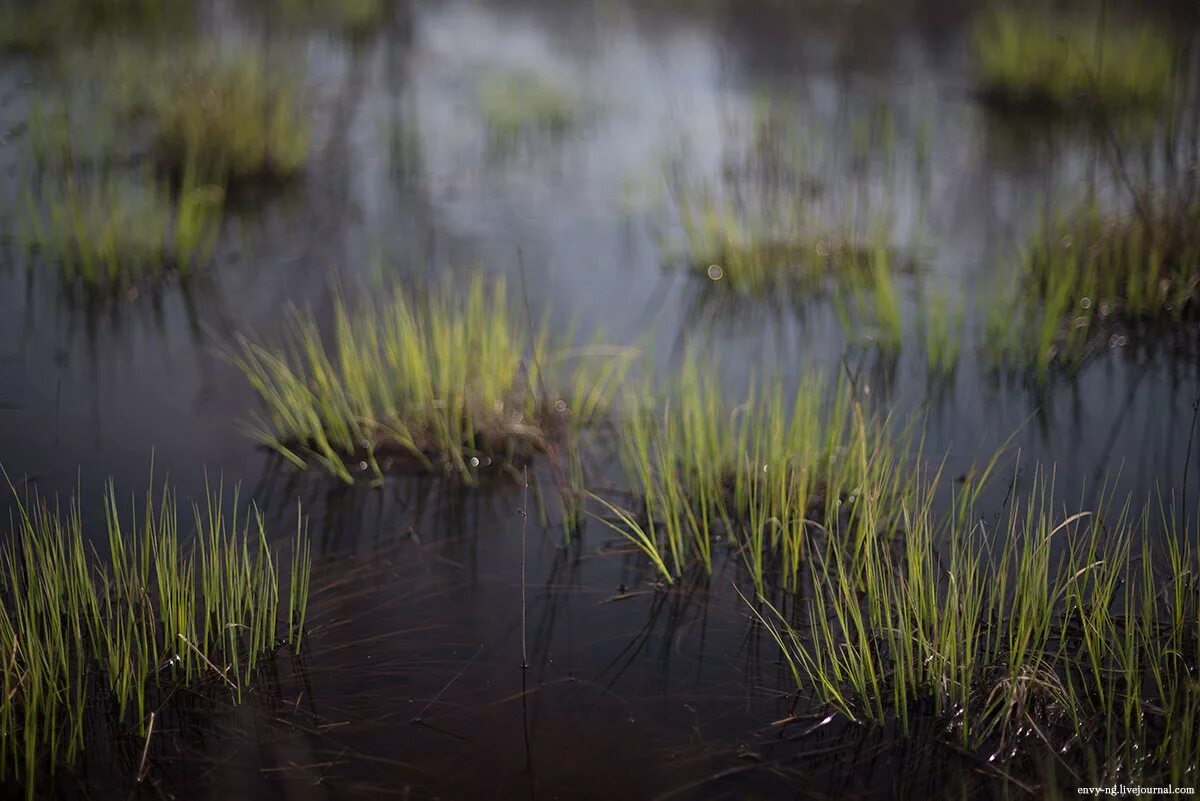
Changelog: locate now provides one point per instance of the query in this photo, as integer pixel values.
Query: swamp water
(580, 150)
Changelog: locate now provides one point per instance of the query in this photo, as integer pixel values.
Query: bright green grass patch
(228, 120)
(1053, 638)
(1093, 276)
(519, 101)
(1036, 60)
(113, 231)
(756, 473)
(82, 635)
(449, 375)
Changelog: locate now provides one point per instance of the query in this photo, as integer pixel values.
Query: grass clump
(111, 231)
(449, 375)
(748, 263)
(737, 258)
(231, 120)
(354, 17)
(943, 330)
(520, 101)
(1096, 276)
(1052, 639)
(82, 635)
(1035, 60)
(756, 473)
(41, 25)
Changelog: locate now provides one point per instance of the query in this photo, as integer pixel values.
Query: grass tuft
(449, 376)
(1051, 637)
(1038, 61)
(37, 26)
(757, 473)
(736, 257)
(119, 634)
(521, 101)
(229, 120)
(353, 17)
(1092, 277)
(112, 231)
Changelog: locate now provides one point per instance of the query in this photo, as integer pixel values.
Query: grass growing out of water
(79, 632)
(943, 332)
(1094, 276)
(112, 231)
(355, 17)
(756, 473)
(450, 376)
(867, 301)
(741, 258)
(1052, 636)
(229, 120)
(39, 25)
(1036, 60)
(524, 100)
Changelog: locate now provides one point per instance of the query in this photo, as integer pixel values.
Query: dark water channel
(410, 684)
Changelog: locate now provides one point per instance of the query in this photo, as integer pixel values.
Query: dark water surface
(410, 684)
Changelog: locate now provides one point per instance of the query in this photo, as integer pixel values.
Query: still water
(411, 684)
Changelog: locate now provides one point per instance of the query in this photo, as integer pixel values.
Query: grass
(354, 17)
(756, 473)
(448, 377)
(1053, 637)
(943, 333)
(228, 120)
(119, 633)
(868, 302)
(1035, 60)
(113, 231)
(751, 261)
(516, 102)
(36, 27)
(777, 259)
(1094, 276)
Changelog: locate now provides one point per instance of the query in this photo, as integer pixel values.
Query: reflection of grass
(82, 636)
(1087, 277)
(524, 100)
(110, 232)
(451, 375)
(230, 119)
(1036, 60)
(1061, 625)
